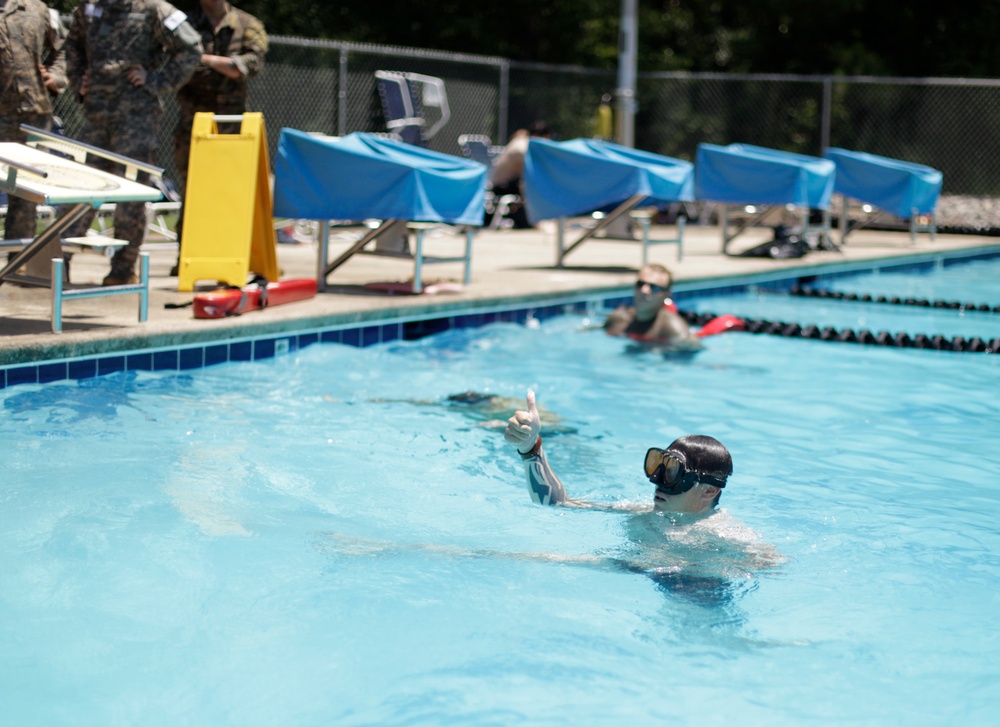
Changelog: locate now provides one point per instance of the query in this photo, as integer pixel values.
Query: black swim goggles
(653, 287)
(666, 469)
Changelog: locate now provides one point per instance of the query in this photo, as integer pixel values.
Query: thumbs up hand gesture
(523, 428)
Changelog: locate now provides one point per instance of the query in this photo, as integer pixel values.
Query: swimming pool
(322, 538)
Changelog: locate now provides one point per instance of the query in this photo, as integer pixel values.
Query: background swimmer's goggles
(653, 287)
(666, 470)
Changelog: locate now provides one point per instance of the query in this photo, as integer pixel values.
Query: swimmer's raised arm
(523, 432)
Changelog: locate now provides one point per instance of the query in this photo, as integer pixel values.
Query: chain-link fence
(948, 124)
(679, 111)
(329, 87)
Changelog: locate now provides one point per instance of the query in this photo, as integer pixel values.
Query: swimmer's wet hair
(704, 455)
(471, 397)
(662, 270)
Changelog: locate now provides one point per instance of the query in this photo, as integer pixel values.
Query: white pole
(628, 37)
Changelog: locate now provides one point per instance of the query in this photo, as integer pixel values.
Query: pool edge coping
(261, 340)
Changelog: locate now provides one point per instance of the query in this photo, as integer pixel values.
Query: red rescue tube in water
(232, 302)
(721, 324)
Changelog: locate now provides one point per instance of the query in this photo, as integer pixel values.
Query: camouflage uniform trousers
(133, 135)
(21, 214)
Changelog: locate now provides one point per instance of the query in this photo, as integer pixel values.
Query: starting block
(56, 175)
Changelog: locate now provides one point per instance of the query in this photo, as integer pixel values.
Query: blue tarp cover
(364, 176)
(894, 186)
(582, 175)
(746, 174)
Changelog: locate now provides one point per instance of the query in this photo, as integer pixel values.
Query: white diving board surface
(66, 181)
(57, 176)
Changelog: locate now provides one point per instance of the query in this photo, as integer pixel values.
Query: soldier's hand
(85, 83)
(137, 76)
(47, 79)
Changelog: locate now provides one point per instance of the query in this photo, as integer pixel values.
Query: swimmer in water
(487, 410)
(652, 320)
(681, 541)
(689, 537)
(493, 410)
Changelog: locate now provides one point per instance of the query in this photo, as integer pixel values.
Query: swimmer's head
(540, 128)
(689, 474)
(471, 398)
(652, 288)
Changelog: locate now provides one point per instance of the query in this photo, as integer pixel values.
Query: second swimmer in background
(652, 320)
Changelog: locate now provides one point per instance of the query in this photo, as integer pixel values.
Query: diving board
(903, 189)
(744, 174)
(49, 169)
(364, 176)
(564, 179)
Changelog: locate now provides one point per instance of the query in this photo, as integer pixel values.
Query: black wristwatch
(533, 452)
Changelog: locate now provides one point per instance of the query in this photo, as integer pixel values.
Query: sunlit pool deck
(512, 271)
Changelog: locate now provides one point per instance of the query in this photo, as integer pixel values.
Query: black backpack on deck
(784, 245)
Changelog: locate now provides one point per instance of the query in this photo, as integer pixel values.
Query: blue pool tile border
(267, 347)
(261, 348)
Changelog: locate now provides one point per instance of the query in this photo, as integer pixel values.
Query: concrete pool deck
(508, 267)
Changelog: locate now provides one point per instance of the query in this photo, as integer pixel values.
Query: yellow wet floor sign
(228, 228)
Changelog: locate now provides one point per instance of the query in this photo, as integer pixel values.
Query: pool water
(325, 539)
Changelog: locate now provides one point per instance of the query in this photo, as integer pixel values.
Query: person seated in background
(508, 169)
(652, 319)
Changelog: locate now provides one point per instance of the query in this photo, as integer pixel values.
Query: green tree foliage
(848, 37)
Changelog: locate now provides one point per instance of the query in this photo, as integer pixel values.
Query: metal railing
(329, 87)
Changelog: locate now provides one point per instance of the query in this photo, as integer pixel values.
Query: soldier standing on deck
(32, 72)
(121, 56)
(235, 43)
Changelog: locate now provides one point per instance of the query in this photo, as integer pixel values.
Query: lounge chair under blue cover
(364, 176)
(562, 179)
(744, 174)
(900, 188)
(747, 174)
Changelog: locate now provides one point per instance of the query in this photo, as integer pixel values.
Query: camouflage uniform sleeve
(250, 59)
(182, 45)
(55, 52)
(75, 50)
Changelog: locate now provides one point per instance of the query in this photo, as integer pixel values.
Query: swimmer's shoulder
(741, 536)
(618, 320)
